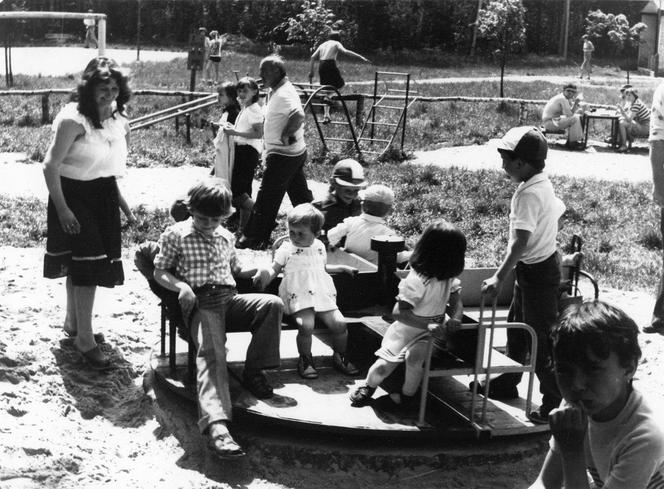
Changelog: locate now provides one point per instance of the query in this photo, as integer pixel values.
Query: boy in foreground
(197, 259)
(531, 252)
(604, 427)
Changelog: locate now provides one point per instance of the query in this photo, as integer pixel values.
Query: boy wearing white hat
(377, 202)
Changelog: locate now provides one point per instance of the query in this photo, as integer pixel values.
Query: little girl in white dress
(307, 289)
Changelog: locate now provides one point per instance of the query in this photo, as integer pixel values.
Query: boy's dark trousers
(535, 302)
(658, 311)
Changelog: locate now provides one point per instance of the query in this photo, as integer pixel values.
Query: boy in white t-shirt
(531, 252)
(605, 428)
(377, 202)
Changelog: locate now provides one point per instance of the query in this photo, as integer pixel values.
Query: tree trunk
(503, 62)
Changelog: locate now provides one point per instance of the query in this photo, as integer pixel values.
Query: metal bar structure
(175, 111)
(100, 18)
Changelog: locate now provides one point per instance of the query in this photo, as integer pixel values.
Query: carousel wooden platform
(323, 404)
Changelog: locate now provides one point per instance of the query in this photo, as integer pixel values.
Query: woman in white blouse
(87, 154)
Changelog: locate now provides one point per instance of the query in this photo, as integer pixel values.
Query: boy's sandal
(224, 447)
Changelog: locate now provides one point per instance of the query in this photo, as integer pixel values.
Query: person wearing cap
(377, 202)
(84, 160)
(90, 38)
(285, 154)
(531, 253)
(342, 199)
(634, 119)
(588, 49)
(563, 112)
(656, 140)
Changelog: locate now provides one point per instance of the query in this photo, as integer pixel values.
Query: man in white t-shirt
(90, 37)
(285, 155)
(656, 140)
(531, 252)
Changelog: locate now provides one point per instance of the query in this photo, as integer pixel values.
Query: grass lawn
(617, 220)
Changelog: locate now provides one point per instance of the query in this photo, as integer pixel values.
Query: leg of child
(622, 139)
(415, 357)
(305, 327)
(84, 298)
(336, 322)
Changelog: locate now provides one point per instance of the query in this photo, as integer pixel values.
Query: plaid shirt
(195, 258)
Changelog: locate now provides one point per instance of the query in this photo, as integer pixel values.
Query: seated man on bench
(196, 259)
(562, 112)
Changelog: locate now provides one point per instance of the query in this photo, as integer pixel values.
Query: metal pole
(566, 28)
(101, 43)
(138, 31)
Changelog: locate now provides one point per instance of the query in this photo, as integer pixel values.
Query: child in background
(248, 136)
(424, 296)
(604, 427)
(342, 199)
(307, 289)
(224, 144)
(531, 252)
(377, 202)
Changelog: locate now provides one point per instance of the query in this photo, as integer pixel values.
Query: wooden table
(606, 114)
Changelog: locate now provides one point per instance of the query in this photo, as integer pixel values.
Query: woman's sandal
(99, 337)
(224, 447)
(96, 359)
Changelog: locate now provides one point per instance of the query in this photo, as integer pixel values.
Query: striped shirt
(640, 113)
(195, 258)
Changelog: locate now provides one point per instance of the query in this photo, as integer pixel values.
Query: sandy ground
(64, 426)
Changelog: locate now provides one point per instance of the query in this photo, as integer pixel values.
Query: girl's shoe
(622, 149)
(306, 367)
(341, 363)
(362, 395)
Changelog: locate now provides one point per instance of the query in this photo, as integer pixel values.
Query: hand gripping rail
(483, 366)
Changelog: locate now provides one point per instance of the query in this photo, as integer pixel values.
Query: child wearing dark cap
(342, 199)
(531, 252)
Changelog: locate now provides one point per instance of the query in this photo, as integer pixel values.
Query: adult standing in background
(588, 49)
(285, 154)
(214, 55)
(656, 140)
(328, 71)
(90, 37)
(86, 156)
(202, 31)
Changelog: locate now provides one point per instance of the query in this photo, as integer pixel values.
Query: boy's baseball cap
(570, 86)
(378, 193)
(525, 142)
(349, 173)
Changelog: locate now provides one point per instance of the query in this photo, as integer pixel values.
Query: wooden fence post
(523, 113)
(359, 112)
(45, 108)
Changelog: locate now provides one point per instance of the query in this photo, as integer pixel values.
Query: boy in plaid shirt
(197, 259)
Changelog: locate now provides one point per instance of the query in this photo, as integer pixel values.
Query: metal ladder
(317, 97)
(391, 108)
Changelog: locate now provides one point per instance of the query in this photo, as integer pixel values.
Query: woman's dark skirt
(92, 257)
(329, 74)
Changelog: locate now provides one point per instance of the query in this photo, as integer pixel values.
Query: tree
(501, 27)
(621, 40)
(312, 25)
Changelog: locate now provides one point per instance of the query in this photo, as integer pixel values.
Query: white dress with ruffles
(305, 283)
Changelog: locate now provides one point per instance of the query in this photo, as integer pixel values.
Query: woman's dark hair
(440, 251)
(100, 70)
(248, 82)
(598, 327)
(230, 89)
(334, 36)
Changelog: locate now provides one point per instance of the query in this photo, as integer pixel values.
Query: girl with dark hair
(248, 135)
(86, 156)
(425, 295)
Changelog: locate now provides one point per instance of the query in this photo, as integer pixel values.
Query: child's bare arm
(126, 210)
(551, 474)
(341, 269)
(568, 427)
(186, 295)
(491, 286)
(264, 276)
